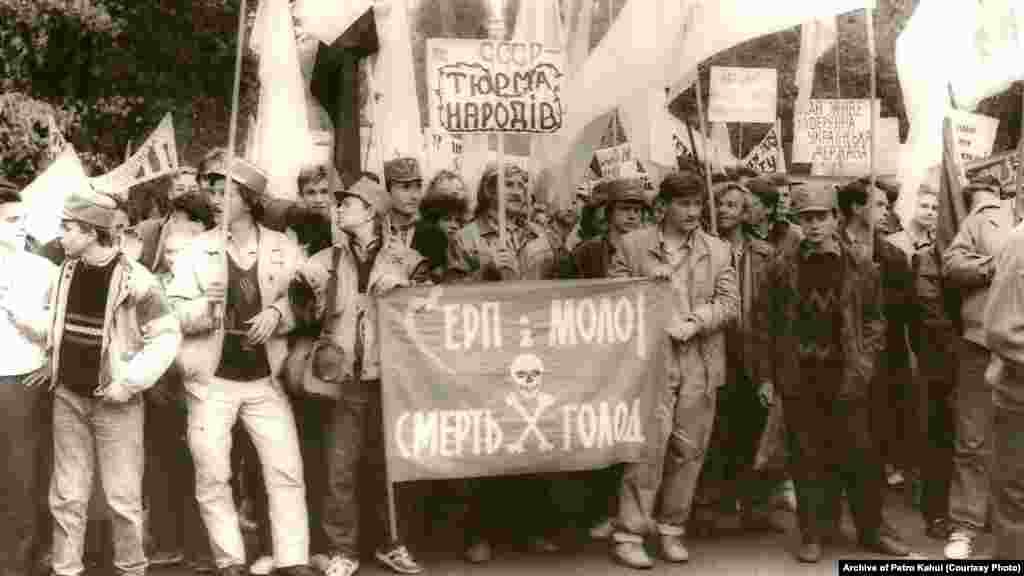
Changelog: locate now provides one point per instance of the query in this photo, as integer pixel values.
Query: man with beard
(680, 252)
(827, 327)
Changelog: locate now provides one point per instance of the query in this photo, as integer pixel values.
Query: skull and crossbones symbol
(527, 372)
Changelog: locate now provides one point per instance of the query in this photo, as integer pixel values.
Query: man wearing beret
(970, 264)
(827, 327)
(404, 183)
(364, 264)
(231, 296)
(113, 334)
(699, 269)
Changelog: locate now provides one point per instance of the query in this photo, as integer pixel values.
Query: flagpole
(1020, 151)
(497, 33)
(869, 19)
(707, 156)
(229, 185)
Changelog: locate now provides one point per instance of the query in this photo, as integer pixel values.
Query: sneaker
(632, 555)
(166, 559)
(341, 566)
(673, 549)
(479, 552)
(399, 560)
(960, 545)
(263, 566)
(602, 530)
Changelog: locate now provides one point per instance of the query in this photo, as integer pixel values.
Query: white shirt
(28, 279)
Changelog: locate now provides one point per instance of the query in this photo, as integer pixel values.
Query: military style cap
(766, 190)
(623, 190)
(372, 193)
(91, 207)
(244, 172)
(402, 170)
(814, 199)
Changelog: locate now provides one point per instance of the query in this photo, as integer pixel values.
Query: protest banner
(973, 134)
(743, 94)
(832, 132)
(888, 155)
(444, 152)
(158, 156)
(618, 162)
(521, 377)
(494, 86)
(767, 156)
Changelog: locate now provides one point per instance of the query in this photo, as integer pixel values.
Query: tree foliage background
(108, 70)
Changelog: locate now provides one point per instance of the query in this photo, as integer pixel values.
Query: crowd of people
(820, 349)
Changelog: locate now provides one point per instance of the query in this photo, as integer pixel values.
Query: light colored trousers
(88, 431)
(267, 416)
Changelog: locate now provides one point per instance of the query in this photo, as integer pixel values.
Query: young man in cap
(678, 251)
(404, 182)
(742, 413)
(970, 264)
(765, 219)
(25, 288)
(231, 296)
(369, 264)
(113, 335)
(623, 202)
(827, 327)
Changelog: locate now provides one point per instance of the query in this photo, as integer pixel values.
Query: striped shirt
(82, 342)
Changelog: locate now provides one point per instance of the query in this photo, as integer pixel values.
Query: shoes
(960, 545)
(809, 552)
(894, 477)
(632, 555)
(937, 529)
(233, 570)
(160, 559)
(544, 545)
(479, 552)
(885, 544)
(263, 566)
(341, 566)
(300, 570)
(673, 549)
(319, 562)
(399, 560)
(602, 530)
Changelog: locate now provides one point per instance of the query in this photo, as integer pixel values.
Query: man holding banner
(700, 271)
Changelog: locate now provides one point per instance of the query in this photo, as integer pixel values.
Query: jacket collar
(696, 245)
(831, 247)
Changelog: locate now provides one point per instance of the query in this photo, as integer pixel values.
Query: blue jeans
(88, 431)
(972, 451)
(20, 437)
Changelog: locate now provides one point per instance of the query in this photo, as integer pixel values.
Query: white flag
(816, 37)
(398, 126)
(44, 197)
(157, 157)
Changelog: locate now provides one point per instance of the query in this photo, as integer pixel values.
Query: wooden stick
(1020, 154)
(497, 32)
(707, 156)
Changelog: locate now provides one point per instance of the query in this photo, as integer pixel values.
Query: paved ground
(727, 553)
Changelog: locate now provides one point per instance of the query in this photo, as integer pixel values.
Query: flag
(767, 157)
(327, 20)
(284, 142)
(995, 56)
(157, 157)
(398, 126)
(44, 198)
(816, 37)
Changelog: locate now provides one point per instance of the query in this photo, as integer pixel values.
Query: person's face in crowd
(125, 237)
(407, 197)
(627, 216)
(174, 245)
(219, 201)
(927, 214)
(757, 211)
(730, 209)
(541, 218)
(353, 212)
(785, 194)
(569, 215)
(683, 213)
(316, 195)
(515, 199)
(75, 239)
(184, 183)
(818, 226)
(879, 214)
(450, 187)
(12, 226)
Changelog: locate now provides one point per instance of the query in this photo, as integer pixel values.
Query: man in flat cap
(404, 183)
(969, 264)
(827, 322)
(678, 251)
(113, 335)
(364, 264)
(231, 296)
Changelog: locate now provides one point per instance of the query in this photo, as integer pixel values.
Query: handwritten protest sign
(494, 86)
(743, 94)
(445, 151)
(888, 143)
(158, 156)
(512, 378)
(618, 162)
(832, 132)
(973, 134)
